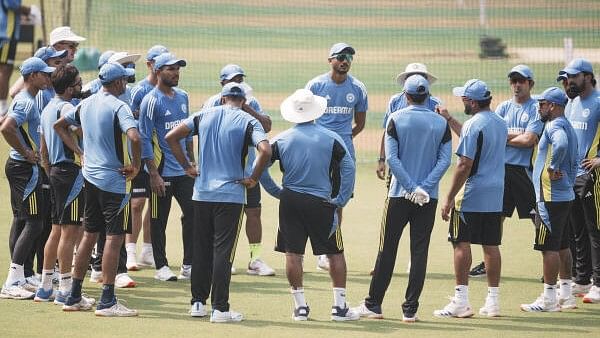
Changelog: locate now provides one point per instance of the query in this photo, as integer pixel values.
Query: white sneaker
(454, 309)
(364, 311)
(185, 272)
(224, 317)
(300, 314)
(323, 263)
(31, 284)
(339, 314)
(593, 296)
(490, 309)
(84, 304)
(146, 258)
(260, 268)
(579, 290)
(568, 303)
(34, 280)
(198, 310)
(165, 274)
(541, 304)
(96, 276)
(122, 280)
(131, 262)
(233, 270)
(15, 292)
(117, 310)
(410, 317)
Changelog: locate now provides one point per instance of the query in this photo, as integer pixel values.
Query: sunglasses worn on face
(342, 57)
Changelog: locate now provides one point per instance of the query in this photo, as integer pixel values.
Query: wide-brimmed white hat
(124, 58)
(64, 33)
(415, 68)
(303, 106)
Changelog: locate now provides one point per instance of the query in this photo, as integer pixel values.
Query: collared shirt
(23, 109)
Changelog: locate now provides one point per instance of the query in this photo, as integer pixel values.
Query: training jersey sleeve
(391, 154)
(467, 145)
(20, 111)
(265, 179)
(137, 95)
(560, 144)
(72, 116)
(535, 124)
(126, 119)
(146, 125)
(362, 105)
(347, 172)
(258, 133)
(443, 162)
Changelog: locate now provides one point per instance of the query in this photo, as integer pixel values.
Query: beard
(572, 92)
(77, 95)
(131, 79)
(468, 110)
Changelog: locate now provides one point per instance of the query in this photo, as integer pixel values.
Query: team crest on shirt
(184, 108)
(585, 113)
(524, 117)
(350, 97)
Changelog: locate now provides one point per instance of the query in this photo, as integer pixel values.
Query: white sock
(550, 292)
(47, 279)
(3, 107)
(461, 294)
(64, 282)
(15, 274)
(339, 297)
(130, 248)
(298, 296)
(493, 294)
(146, 247)
(565, 288)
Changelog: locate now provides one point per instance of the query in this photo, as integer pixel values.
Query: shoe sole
(410, 320)
(127, 286)
(255, 273)
(568, 307)
(553, 310)
(198, 315)
(180, 277)
(321, 269)
(171, 279)
(344, 319)
(133, 268)
(226, 320)
(591, 300)
(75, 309)
(490, 315)
(102, 314)
(16, 298)
(467, 314)
(300, 318)
(42, 300)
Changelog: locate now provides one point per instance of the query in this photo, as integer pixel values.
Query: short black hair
(64, 77)
(417, 98)
(484, 103)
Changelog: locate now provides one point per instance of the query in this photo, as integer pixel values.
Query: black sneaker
(478, 270)
(301, 313)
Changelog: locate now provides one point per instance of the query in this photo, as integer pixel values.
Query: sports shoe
(233, 270)
(185, 272)
(478, 270)
(454, 309)
(323, 263)
(82, 304)
(372, 312)
(42, 295)
(339, 314)
(198, 310)
(31, 284)
(60, 297)
(146, 258)
(122, 280)
(490, 309)
(117, 309)
(131, 262)
(579, 290)
(593, 296)
(301, 313)
(259, 268)
(409, 317)
(217, 316)
(165, 274)
(96, 276)
(568, 303)
(541, 304)
(15, 291)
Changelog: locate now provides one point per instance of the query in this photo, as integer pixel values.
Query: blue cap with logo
(168, 59)
(230, 71)
(155, 51)
(577, 66)
(473, 89)
(522, 70)
(49, 52)
(104, 57)
(554, 95)
(233, 89)
(416, 85)
(339, 47)
(562, 76)
(112, 71)
(35, 64)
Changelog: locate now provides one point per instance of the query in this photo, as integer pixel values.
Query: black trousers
(216, 231)
(581, 219)
(397, 213)
(182, 188)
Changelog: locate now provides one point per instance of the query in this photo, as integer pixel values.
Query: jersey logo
(350, 97)
(328, 97)
(585, 113)
(167, 113)
(524, 117)
(184, 108)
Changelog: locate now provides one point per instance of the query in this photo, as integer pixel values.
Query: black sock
(76, 288)
(108, 293)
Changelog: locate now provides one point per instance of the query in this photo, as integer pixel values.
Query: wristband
(381, 159)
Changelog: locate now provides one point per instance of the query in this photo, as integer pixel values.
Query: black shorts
(68, 199)
(141, 185)
(587, 193)
(8, 50)
(556, 235)
(106, 210)
(253, 197)
(27, 197)
(518, 192)
(303, 216)
(483, 228)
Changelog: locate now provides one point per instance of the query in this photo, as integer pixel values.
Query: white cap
(64, 33)
(303, 106)
(124, 57)
(415, 68)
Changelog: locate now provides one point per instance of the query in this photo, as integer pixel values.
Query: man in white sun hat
(310, 196)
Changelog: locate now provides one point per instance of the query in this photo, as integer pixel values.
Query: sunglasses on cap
(342, 57)
(129, 65)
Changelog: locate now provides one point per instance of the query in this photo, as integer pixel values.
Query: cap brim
(401, 78)
(340, 50)
(232, 75)
(520, 73)
(571, 71)
(179, 62)
(458, 91)
(59, 54)
(131, 58)
(48, 69)
(314, 111)
(129, 72)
